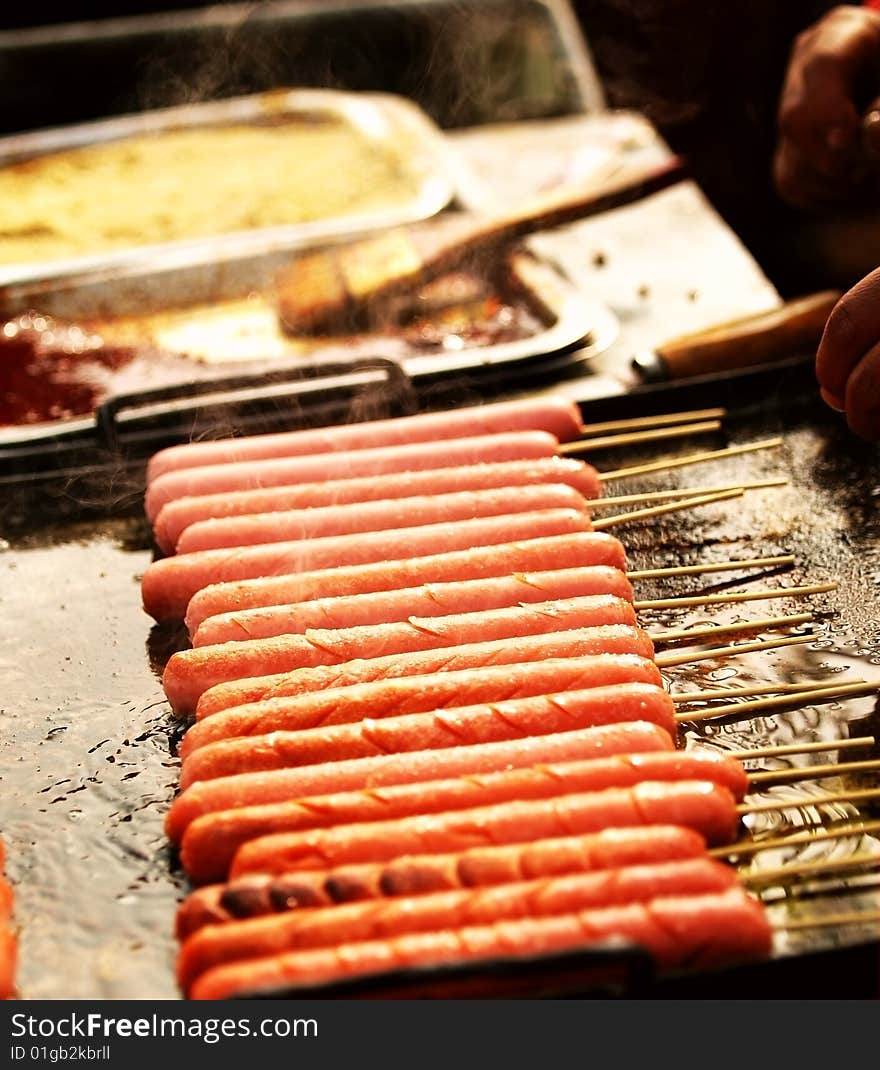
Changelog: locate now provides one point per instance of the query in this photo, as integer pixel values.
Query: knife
(794, 327)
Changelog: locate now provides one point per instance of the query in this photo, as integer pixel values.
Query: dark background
(706, 72)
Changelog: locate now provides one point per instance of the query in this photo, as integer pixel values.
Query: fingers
(863, 396)
(802, 185)
(853, 328)
(833, 401)
(848, 358)
(820, 128)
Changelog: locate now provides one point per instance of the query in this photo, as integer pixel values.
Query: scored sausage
(8, 938)
(279, 785)
(382, 515)
(210, 842)
(580, 550)
(578, 663)
(311, 468)
(372, 920)
(189, 673)
(558, 416)
(175, 517)
(433, 632)
(434, 730)
(708, 808)
(168, 584)
(696, 932)
(258, 893)
(334, 646)
(430, 600)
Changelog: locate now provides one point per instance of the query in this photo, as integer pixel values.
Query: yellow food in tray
(194, 183)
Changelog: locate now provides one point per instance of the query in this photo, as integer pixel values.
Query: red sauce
(51, 371)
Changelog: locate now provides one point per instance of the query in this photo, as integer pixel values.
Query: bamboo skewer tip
(800, 698)
(691, 458)
(635, 423)
(633, 438)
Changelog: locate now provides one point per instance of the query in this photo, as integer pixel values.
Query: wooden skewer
(718, 566)
(710, 630)
(673, 657)
(690, 458)
(752, 689)
(636, 423)
(865, 917)
(679, 492)
(809, 800)
(801, 748)
(633, 438)
(810, 869)
(669, 507)
(750, 847)
(811, 772)
(801, 698)
(725, 599)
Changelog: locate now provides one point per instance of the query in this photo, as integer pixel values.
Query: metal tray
(204, 304)
(391, 124)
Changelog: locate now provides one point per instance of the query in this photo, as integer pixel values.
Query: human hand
(848, 359)
(825, 151)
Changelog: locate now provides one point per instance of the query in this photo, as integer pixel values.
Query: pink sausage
(436, 600)
(272, 934)
(581, 701)
(281, 785)
(704, 806)
(169, 584)
(306, 703)
(189, 673)
(376, 516)
(558, 416)
(210, 843)
(279, 471)
(175, 517)
(685, 932)
(578, 550)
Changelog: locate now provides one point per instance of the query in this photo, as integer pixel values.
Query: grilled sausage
(708, 808)
(390, 698)
(210, 842)
(275, 934)
(380, 515)
(191, 672)
(580, 550)
(279, 785)
(558, 416)
(534, 715)
(259, 894)
(8, 938)
(169, 584)
(311, 468)
(697, 932)
(175, 517)
(429, 600)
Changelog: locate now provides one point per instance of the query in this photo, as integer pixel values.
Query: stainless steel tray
(391, 123)
(205, 308)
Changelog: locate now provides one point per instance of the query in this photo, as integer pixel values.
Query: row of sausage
(428, 727)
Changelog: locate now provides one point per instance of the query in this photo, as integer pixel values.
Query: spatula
(346, 288)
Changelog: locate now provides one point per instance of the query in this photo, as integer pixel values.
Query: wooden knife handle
(793, 328)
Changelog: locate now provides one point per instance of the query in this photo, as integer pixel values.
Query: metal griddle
(89, 766)
(87, 742)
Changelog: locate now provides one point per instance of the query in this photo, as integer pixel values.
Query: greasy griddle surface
(86, 751)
